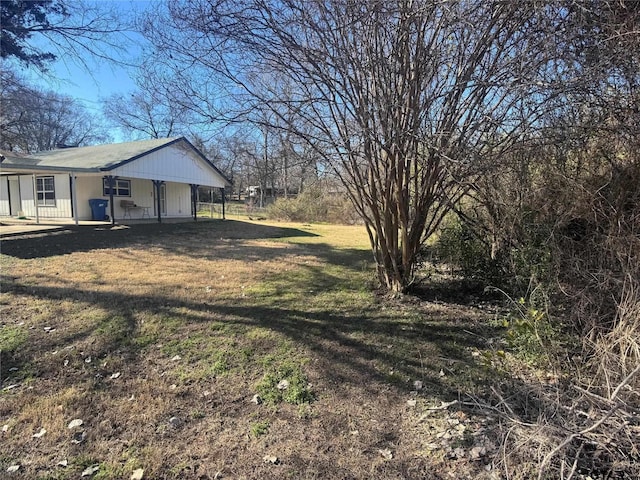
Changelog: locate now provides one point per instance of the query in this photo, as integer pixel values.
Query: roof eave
(44, 169)
(208, 162)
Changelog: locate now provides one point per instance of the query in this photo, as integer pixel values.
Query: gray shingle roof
(92, 158)
(95, 158)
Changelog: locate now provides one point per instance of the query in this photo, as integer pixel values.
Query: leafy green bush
(531, 335)
(461, 249)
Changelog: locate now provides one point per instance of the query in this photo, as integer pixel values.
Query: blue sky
(91, 80)
(97, 79)
(89, 87)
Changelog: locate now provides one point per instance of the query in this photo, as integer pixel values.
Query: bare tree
(33, 119)
(292, 160)
(141, 114)
(298, 163)
(587, 137)
(157, 108)
(37, 32)
(402, 96)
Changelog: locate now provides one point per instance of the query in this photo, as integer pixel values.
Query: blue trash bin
(98, 208)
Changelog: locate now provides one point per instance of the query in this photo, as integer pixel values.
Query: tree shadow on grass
(351, 346)
(368, 355)
(88, 238)
(458, 291)
(348, 347)
(203, 240)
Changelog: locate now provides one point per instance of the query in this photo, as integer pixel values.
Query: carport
(161, 176)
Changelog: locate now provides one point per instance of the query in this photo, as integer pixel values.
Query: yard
(232, 349)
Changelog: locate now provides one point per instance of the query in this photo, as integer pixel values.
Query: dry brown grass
(127, 329)
(583, 422)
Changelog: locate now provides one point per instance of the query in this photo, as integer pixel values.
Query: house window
(121, 188)
(46, 192)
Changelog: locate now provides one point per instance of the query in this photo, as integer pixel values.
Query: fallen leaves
(40, 434)
(283, 384)
(457, 453)
(79, 437)
(476, 452)
(176, 422)
(75, 423)
(451, 428)
(90, 471)
(137, 474)
(386, 453)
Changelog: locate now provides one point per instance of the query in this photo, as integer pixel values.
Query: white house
(148, 178)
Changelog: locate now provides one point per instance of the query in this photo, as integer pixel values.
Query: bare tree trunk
(400, 97)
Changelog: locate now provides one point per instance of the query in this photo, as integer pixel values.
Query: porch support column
(223, 200)
(157, 184)
(35, 198)
(194, 201)
(74, 197)
(111, 181)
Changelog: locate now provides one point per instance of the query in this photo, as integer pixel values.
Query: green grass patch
(260, 428)
(284, 381)
(151, 328)
(12, 338)
(115, 329)
(200, 358)
(319, 284)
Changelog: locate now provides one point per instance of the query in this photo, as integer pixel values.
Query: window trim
(41, 190)
(116, 189)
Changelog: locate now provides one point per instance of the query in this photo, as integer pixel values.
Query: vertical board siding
(178, 198)
(88, 188)
(5, 207)
(172, 164)
(62, 208)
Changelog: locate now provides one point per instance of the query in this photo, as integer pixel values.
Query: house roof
(95, 158)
